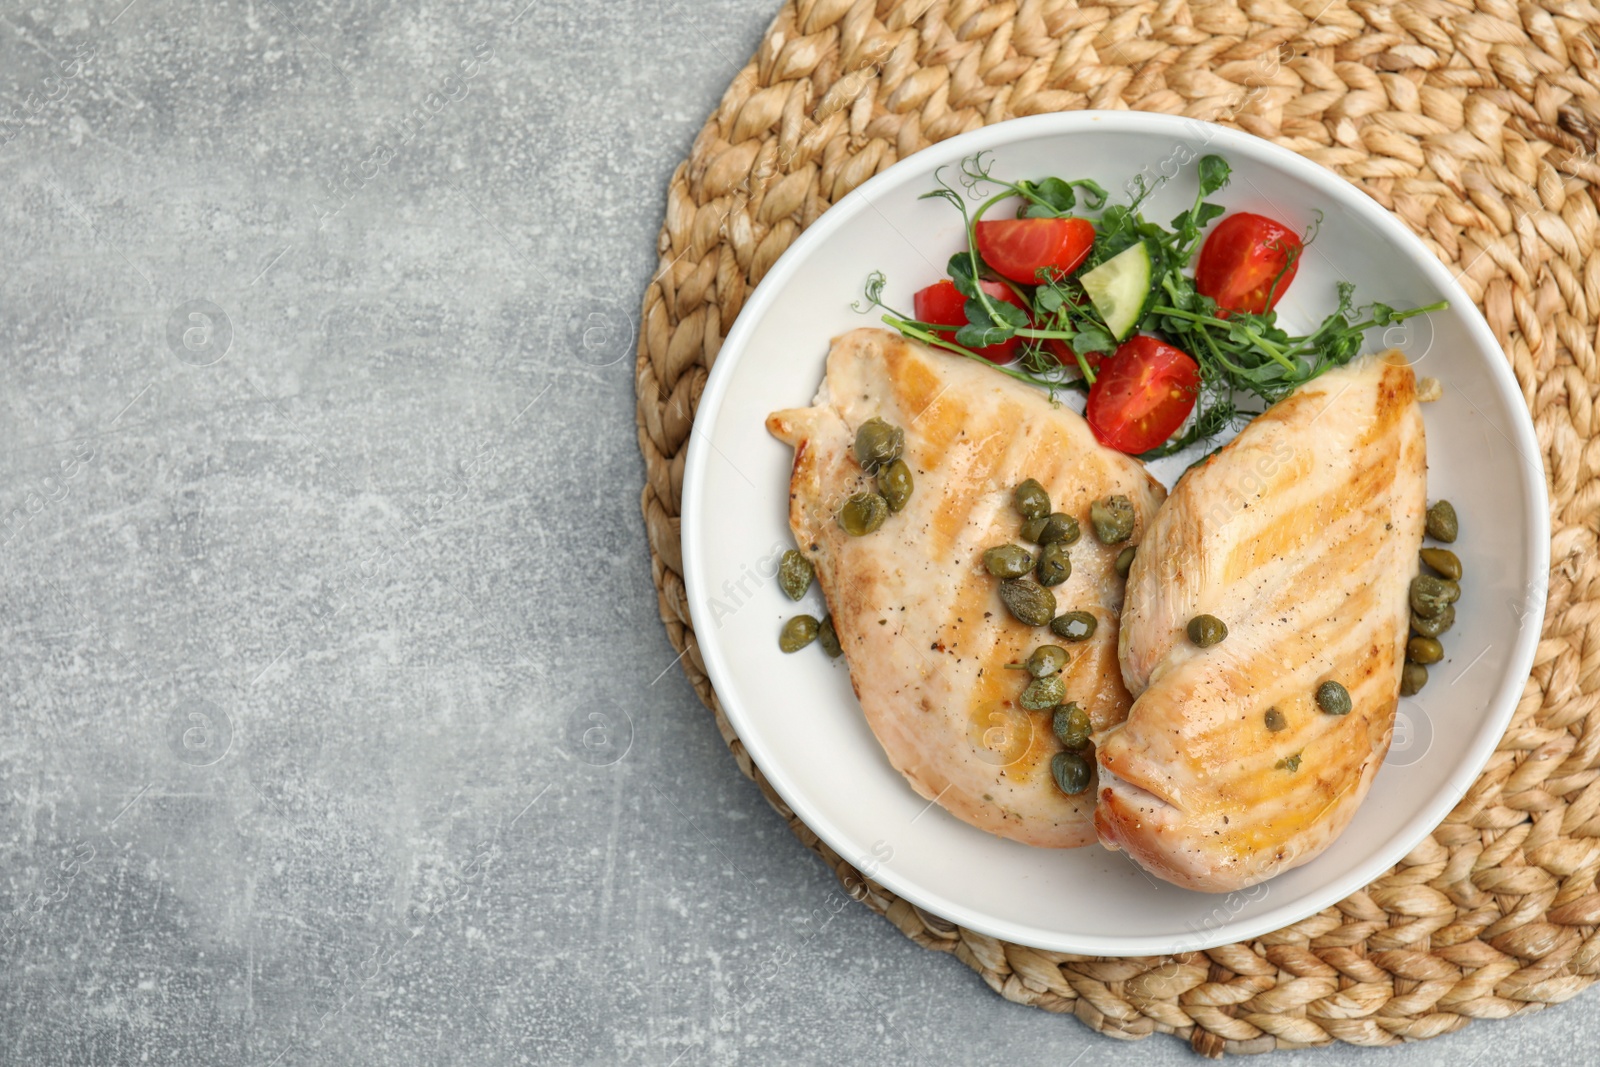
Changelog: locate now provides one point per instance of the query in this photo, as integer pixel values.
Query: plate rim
(1503, 701)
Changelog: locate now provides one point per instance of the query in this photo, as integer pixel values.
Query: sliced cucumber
(1119, 288)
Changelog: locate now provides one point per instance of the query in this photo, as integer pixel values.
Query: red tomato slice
(943, 304)
(1142, 395)
(1020, 248)
(1242, 258)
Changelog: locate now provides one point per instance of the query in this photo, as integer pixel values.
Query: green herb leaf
(1006, 314)
(1053, 197)
(1093, 338)
(960, 270)
(1052, 193)
(1206, 213)
(1214, 174)
(973, 335)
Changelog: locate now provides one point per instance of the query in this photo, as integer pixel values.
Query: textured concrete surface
(322, 556)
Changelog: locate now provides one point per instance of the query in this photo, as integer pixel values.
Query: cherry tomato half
(943, 304)
(1242, 258)
(1020, 248)
(1142, 395)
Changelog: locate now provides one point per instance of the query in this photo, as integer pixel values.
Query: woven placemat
(1476, 124)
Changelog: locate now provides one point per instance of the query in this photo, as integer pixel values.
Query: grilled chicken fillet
(1301, 535)
(924, 632)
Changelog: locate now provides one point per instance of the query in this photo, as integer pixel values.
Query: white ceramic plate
(796, 713)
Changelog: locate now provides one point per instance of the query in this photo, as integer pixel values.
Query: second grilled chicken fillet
(1301, 535)
(924, 631)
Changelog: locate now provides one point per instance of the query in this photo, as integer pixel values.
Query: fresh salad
(1072, 293)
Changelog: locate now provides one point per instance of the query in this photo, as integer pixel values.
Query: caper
(878, 444)
(1438, 624)
(1031, 499)
(1059, 527)
(1412, 678)
(1055, 566)
(1430, 595)
(1044, 693)
(1207, 630)
(1333, 698)
(1074, 625)
(1029, 601)
(1125, 561)
(1033, 528)
(894, 484)
(1275, 720)
(828, 638)
(797, 633)
(1442, 524)
(1007, 561)
(1446, 562)
(1072, 726)
(1071, 772)
(863, 513)
(1047, 660)
(794, 575)
(1424, 650)
(1112, 519)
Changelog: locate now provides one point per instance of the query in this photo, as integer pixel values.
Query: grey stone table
(322, 552)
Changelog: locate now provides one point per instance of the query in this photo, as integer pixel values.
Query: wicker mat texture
(1476, 124)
